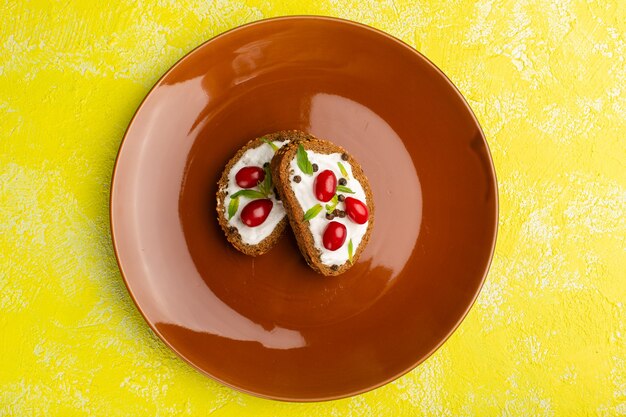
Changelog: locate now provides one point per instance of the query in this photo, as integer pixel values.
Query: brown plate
(270, 326)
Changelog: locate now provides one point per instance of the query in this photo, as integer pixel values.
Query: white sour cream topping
(305, 195)
(253, 157)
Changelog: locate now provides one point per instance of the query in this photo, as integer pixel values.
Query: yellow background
(547, 82)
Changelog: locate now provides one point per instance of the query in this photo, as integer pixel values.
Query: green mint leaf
(251, 194)
(269, 142)
(343, 170)
(232, 207)
(266, 186)
(332, 204)
(350, 250)
(303, 161)
(262, 188)
(312, 212)
(344, 189)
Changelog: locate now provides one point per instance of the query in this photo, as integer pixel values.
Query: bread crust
(281, 176)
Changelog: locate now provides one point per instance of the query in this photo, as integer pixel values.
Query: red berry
(249, 177)
(325, 185)
(334, 236)
(256, 211)
(357, 211)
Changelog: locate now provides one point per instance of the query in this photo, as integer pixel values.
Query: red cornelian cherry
(334, 236)
(256, 211)
(356, 210)
(325, 185)
(249, 177)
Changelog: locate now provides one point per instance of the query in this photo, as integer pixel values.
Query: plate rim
(495, 219)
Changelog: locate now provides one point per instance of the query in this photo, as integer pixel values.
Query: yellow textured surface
(547, 81)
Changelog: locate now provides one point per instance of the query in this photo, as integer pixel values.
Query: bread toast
(294, 169)
(258, 239)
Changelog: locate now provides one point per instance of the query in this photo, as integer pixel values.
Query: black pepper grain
(344, 156)
(315, 167)
(297, 179)
(342, 214)
(265, 165)
(343, 181)
(341, 197)
(330, 216)
(232, 229)
(334, 267)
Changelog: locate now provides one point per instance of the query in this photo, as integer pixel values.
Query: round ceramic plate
(269, 325)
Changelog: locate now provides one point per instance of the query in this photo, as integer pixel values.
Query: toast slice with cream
(248, 209)
(328, 201)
